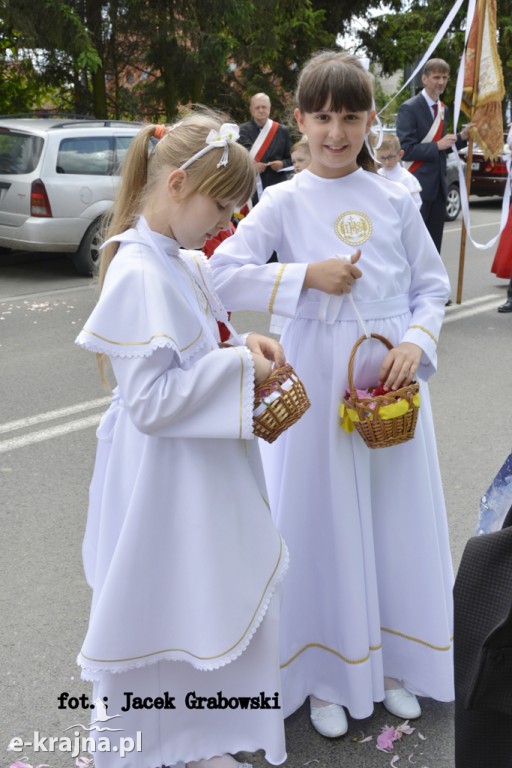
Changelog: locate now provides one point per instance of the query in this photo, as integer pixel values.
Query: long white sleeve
(212, 399)
(243, 278)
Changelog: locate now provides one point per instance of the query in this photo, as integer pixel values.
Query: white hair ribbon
(228, 134)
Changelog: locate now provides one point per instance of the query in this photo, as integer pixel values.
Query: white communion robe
(180, 548)
(400, 175)
(369, 590)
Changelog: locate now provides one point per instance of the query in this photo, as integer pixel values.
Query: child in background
(389, 154)
(180, 548)
(301, 156)
(367, 604)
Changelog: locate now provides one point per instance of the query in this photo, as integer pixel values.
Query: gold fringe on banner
(481, 101)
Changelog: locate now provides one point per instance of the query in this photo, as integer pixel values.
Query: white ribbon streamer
(433, 45)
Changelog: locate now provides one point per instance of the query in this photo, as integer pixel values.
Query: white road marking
(25, 296)
(30, 421)
(449, 230)
(47, 434)
(468, 308)
(485, 303)
(470, 302)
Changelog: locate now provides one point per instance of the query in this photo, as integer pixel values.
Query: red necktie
(434, 107)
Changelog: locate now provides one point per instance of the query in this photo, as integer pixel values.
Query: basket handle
(353, 354)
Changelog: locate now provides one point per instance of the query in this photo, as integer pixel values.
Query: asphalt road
(51, 400)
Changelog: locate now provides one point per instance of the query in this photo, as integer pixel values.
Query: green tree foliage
(57, 43)
(177, 51)
(149, 58)
(270, 50)
(504, 23)
(214, 53)
(22, 88)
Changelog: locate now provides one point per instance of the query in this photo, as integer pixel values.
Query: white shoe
(402, 703)
(330, 721)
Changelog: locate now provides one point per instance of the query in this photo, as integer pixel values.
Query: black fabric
(483, 651)
(433, 213)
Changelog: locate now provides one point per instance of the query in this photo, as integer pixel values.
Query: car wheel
(87, 257)
(453, 204)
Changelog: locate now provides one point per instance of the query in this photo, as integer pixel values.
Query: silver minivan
(58, 177)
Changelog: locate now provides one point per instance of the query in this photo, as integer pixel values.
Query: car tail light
(39, 203)
(498, 168)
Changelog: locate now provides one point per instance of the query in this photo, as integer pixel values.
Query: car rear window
(122, 145)
(92, 156)
(19, 152)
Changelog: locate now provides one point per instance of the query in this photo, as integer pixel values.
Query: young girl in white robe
(367, 604)
(180, 548)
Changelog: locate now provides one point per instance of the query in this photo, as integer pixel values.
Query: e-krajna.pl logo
(77, 743)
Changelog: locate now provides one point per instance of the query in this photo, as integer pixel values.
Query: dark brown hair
(335, 80)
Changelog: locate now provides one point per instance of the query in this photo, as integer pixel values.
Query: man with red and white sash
(421, 129)
(268, 142)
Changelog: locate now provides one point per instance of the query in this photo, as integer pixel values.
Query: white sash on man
(434, 134)
(260, 146)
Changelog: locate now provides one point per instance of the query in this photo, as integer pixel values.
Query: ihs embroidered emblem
(353, 227)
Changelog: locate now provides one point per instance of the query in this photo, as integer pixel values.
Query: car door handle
(4, 185)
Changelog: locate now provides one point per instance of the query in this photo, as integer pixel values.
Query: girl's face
(189, 218)
(198, 218)
(335, 139)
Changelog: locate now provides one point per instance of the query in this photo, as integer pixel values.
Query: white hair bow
(228, 134)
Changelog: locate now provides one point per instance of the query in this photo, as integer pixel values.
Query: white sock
(392, 684)
(314, 702)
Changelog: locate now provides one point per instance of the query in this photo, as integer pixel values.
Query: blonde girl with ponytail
(180, 550)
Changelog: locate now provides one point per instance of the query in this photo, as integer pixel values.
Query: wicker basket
(380, 432)
(279, 401)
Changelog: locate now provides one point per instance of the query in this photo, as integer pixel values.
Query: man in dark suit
(268, 142)
(421, 128)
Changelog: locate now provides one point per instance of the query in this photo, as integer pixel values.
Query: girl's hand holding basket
(383, 416)
(400, 365)
(267, 353)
